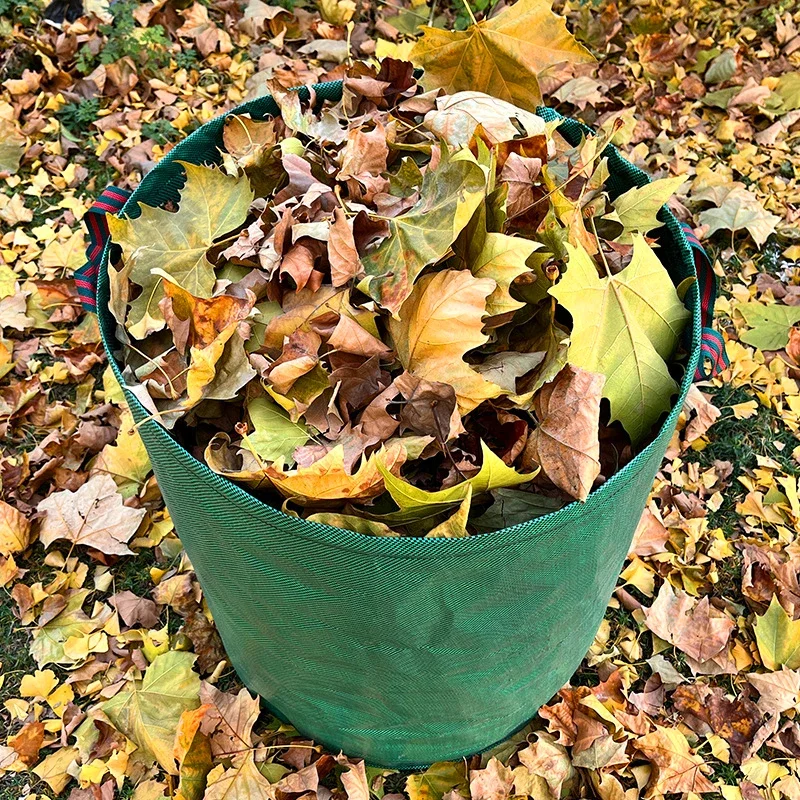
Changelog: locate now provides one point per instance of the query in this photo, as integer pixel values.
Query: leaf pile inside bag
(405, 313)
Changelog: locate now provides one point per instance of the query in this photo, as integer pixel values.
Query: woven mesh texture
(404, 651)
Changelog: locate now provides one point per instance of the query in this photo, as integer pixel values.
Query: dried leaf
(500, 56)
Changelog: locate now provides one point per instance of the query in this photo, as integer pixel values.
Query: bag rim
(401, 546)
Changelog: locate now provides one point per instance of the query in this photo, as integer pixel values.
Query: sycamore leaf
(454, 526)
(625, 326)
(500, 56)
(241, 781)
(436, 781)
(438, 324)
(565, 443)
(423, 235)
(211, 205)
(778, 637)
(493, 474)
(677, 768)
(637, 209)
(501, 258)
(48, 640)
(770, 325)
(149, 711)
(741, 210)
(275, 437)
(94, 516)
(125, 459)
(53, 769)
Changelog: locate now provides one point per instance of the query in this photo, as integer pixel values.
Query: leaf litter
(691, 685)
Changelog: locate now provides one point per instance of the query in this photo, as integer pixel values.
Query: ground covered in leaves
(113, 680)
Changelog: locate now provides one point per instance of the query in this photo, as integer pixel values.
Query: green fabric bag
(403, 651)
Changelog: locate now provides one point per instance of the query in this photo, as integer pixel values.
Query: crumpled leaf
(625, 326)
(457, 117)
(93, 516)
(448, 197)
(565, 442)
(437, 325)
(500, 56)
(211, 205)
(149, 711)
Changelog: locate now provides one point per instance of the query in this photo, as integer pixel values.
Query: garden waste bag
(404, 651)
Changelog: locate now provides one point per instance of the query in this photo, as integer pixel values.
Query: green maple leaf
(275, 437)
(449, 196)
(778, 638)
(625, 326)
(493, 474)
(149, 712)
(212, 204)
(637, 209)
(769, 325)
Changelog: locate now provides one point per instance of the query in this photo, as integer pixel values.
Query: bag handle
(713, 358)
(110, 202)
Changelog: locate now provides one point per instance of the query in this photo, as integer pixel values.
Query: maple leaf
(637, 209)
(769, 325)
(625, 326)
(275, 436)
(243, 780)
(741, 210)
(493, 474)
(437, 780)
(192, 751)
(126, 459)
(677, 768)
(94, 516)
(778, 637)
(15, 530)
(211, 204)
(71, 622)
(437, 325)
(501, 56)
(565, 442)
(149, 711)
(501, 258)
(448, 197)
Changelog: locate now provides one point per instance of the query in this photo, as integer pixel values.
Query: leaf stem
(469, 11)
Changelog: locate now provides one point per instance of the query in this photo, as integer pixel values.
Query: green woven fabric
(403, 651)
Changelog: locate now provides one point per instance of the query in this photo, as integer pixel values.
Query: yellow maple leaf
(501, 56)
